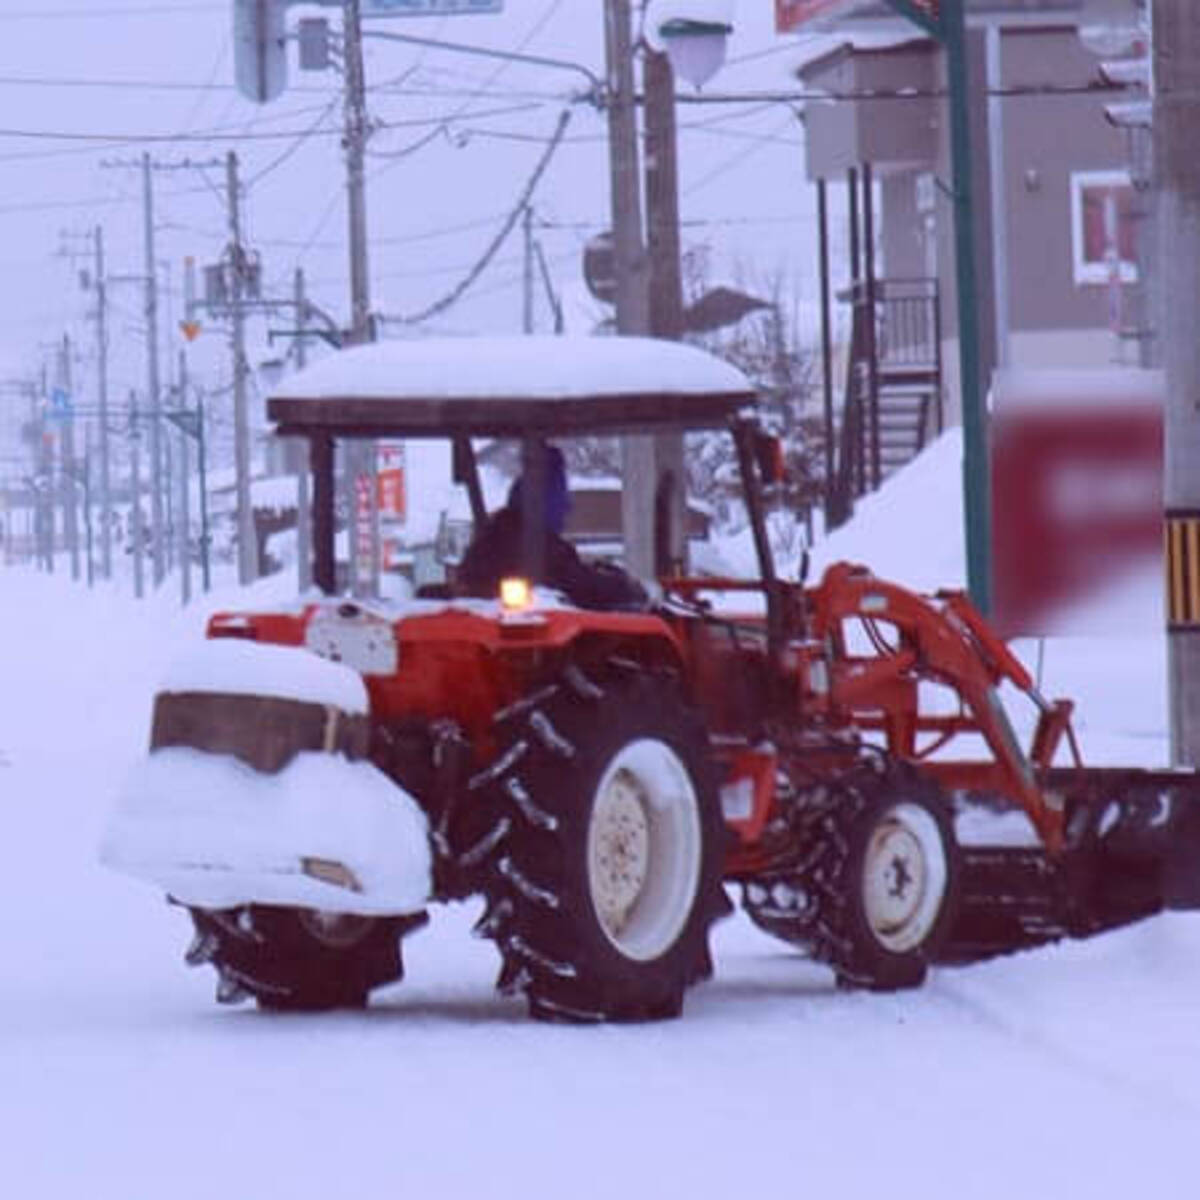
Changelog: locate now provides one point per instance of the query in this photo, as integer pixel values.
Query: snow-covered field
(1072, 1071)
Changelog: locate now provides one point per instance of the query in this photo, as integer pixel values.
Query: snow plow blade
(1132, 850)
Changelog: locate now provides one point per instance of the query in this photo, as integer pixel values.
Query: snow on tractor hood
(245, 668)
(215, 833)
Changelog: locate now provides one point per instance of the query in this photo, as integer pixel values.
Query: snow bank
(911, 530)
(212, 832)
(244, 668)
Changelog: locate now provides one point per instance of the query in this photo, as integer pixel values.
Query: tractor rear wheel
(601, 895)
(897, 882)
(299, 960)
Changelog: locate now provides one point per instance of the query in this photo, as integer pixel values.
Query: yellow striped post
(1183, 568)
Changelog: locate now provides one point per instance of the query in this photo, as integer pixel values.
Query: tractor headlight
(516, 595)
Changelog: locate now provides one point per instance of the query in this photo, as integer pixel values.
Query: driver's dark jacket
(497, 553)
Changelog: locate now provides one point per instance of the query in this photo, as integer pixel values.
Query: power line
(738, 158)
(427, 235)
(140, 85)
(54, 135)
(301, 139)
(399, 156)
(445, 126)
(76, 14)
(510, 222)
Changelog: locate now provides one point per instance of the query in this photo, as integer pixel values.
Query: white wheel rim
(335, 929)
(904, 877)
(644, 849)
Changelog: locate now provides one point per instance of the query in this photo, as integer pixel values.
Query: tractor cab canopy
(527, 388)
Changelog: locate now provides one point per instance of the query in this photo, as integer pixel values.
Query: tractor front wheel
(897, 883)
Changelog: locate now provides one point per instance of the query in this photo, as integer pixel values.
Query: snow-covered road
(1073, 1071)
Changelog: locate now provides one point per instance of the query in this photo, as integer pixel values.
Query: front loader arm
(941, 639)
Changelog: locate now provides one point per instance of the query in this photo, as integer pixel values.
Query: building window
(1102, 227)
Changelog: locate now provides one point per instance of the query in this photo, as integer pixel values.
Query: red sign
(791, 14)
(391, 496)
(1076, 496)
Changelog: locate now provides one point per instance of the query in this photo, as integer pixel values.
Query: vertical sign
(391, 499)
(363, 522)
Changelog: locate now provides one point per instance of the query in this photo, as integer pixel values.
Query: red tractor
(599, 776)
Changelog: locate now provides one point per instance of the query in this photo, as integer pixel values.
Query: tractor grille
(264, 732)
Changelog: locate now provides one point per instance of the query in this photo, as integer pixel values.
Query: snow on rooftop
(537, 368)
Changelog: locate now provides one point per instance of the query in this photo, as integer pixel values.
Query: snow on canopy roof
(508, 386)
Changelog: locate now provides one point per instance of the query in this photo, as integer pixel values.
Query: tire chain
(231, 941)
(820, 877)
(524, 964)
(524, 901)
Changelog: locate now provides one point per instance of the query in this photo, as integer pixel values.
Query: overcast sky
(89, 85)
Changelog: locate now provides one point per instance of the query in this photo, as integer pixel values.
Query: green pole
(949, 27)
(976, 487)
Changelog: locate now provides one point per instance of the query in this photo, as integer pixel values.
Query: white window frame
(1085, 272)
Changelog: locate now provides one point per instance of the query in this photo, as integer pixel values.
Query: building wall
(1046, 139)
(1050, 315)
(893, 131)
(901, 228)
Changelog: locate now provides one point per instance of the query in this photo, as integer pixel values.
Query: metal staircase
(892, 403)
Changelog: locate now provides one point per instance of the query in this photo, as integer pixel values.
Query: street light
(694, 34)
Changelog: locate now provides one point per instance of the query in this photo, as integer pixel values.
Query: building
(1058, 198)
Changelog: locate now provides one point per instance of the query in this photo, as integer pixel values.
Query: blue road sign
(62, 407)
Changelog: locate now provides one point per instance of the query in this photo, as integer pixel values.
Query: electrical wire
(283, 157)
(493, 248)
(428, 235)
(445, 127)
(399, 156)
(737, 159)
(76, 14)
(140, 85)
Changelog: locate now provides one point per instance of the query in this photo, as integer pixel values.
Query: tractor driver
(497, 551)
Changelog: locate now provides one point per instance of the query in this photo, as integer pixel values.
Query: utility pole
(247, 543)
(527, 276)
(152, 379)
(149, 281)
(1177, 180)
(106, 508)
(632, 275)
(137, 531)
(356, 190)
(185, 519)
(665, 300)
(68, 471)
(360, 455)
(45, 477)
(303, 503)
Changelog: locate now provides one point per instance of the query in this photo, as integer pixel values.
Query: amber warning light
(515, 595)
